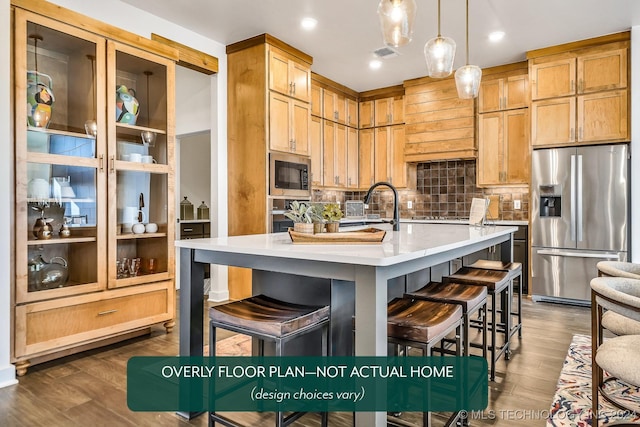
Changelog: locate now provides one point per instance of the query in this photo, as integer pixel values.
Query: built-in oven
(289, 175)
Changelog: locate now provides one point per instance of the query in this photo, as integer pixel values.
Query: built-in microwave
(289, 175)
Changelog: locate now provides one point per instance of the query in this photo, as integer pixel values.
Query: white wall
(7, 371)
(193, 102)
(635, 145)
(195, 169)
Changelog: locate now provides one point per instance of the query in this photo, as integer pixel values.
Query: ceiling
(347, 33)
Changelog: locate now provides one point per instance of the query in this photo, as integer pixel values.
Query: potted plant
(332, 214)
(315, 212)
(301, 217)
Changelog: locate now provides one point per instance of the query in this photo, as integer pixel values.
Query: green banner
(309, 384)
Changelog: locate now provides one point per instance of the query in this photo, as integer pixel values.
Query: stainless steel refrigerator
(580, 215)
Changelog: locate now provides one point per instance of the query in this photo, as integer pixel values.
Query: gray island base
(368, 273)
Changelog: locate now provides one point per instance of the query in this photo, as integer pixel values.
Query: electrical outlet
(409, 204)
(516, 205)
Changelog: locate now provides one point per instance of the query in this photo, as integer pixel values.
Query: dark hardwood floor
(89, 389)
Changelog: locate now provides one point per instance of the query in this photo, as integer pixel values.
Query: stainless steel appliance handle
(578, 254)
(578, 208)
(572, 225)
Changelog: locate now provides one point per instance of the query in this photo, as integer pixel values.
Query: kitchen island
(369, 266)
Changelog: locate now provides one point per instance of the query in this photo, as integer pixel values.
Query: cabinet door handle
(113, 163)
(580, 88)
(290, 88)
(101, 167)
(294, 145)
(580, 133)
(294, 88)
(102, 313)
(571, 137)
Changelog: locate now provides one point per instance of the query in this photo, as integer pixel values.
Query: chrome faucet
(396, 214)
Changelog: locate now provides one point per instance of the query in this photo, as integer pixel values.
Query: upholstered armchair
(617, 355)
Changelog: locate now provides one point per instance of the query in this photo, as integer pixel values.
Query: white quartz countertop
(414, 240)
(347, 221)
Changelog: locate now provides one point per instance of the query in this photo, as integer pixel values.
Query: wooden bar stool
(497, 283)
(272, 320)
(515, 271)
(422, 324)
(472, 299)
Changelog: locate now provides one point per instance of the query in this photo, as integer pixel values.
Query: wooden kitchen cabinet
(352, 113)
(553, 121)
(390, 165)
(366, 155)
(288, 124)
(580, 96)
(582, 71)
(389, 111)
(71, 292)
(334, 106)
(553, 79)
(334, 157)
(603, 116)
(503, 148)
(602, 70)
(316, 100)
(316, 150)
(288, 76)
(503, 94)
(352, 158)
(365, 116)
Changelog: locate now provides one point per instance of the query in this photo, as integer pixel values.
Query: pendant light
(396, 21)
(468, 77)
(439, 53)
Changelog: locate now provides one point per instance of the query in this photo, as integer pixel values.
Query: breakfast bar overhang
(415, 247)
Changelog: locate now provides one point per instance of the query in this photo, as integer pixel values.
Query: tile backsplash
(443, 189)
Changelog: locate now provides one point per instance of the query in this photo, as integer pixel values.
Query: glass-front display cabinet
(94, 159)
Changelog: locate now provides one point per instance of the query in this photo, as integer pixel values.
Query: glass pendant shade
(468, 81)
(148, 138)
(439, 53)
(396, 21)
(91, 128)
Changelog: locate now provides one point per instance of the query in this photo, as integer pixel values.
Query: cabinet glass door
(141, 221)
(60, 159)
(138, 106)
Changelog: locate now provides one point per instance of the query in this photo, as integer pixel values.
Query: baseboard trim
(7, 376)
(218, 296)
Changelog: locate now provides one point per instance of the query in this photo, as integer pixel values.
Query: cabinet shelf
(60, 200)
(76, 134)
(141, 167)
(134, 130)
(131, 236)
(59, 241)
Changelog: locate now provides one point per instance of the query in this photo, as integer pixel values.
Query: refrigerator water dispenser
(550, 201)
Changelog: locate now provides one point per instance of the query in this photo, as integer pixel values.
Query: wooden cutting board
(493, 212)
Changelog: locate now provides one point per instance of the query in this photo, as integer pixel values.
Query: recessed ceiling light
(308, 23)
(374, 64)
(496, 36)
